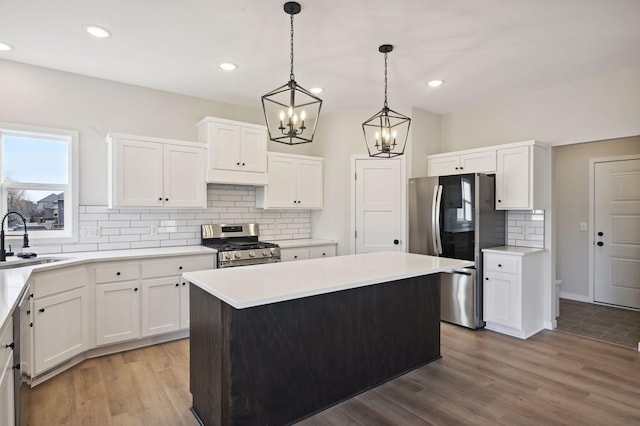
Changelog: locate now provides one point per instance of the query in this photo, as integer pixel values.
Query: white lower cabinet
(307, 252)
(60, 327)
(184, 303)
(160, 305)
(117, 312)
(513, 291)
(7, 413)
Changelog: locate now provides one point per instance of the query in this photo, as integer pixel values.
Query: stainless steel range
(238, 245)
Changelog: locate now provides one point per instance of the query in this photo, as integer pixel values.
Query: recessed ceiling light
(228, 66)
(5, 47)
(97, 31)
(436, 83)
(316, 90)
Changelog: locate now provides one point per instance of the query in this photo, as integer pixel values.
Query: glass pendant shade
(386, 133)
(291, 112)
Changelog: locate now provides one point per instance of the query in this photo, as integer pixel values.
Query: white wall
(425, 140)
(44, 97)
(606, 107)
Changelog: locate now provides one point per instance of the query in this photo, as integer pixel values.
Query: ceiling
(485, 50)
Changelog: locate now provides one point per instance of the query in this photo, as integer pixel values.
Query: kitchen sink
(12, 264)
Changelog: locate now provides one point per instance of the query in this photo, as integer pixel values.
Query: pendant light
(291, 111)
(386, 132)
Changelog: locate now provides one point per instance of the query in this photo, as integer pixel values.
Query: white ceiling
(486, 50)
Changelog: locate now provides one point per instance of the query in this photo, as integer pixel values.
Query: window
(38, 180)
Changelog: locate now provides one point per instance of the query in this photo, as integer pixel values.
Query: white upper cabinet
(295, 182)
(237, 152)
(154, 172)
(521, 178)
(457, 163)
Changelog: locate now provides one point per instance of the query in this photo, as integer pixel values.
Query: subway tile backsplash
(101, 228)
(525, 228)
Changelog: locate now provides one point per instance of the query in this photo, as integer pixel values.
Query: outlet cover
(90, 231)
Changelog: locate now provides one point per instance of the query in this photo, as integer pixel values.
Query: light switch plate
(583, 226)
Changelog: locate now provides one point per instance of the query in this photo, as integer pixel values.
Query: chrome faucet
(25, 239)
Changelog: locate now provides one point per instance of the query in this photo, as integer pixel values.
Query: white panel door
(160, 305)
(139, 173)
(254, 150)
(282, 182)
(224, 146)
(117, 312)
(310, 186)
(617, 233)
(184, 176)
(60, 325)
(378, 205)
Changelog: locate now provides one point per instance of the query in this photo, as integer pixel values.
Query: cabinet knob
(166, 199)
(28, 312)
(41, 310)
(243, 164)
(17, 366)
(160, 199)
(180, 267)
(487, 278)
(135, 289)
(10, 345)
(461, 168)
(499, 201)
(600, 234)
(396, 242)
(499, 265)
(184, 283)
(177, 284)
(238, 163)
(118, 273)
(600, 243)
(324, 254)
(456, 168)
(295, 257)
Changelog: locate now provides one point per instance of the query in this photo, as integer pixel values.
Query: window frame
(70, 232)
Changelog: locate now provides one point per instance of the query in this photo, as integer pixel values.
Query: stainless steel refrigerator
(455, 216)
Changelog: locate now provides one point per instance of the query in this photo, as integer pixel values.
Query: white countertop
(276, 282)
(304, 242)
(13, 281)
(519, 251)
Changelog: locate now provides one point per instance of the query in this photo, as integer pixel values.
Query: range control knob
(227, 256)
(265, 252)
(237, 255)
(252, 254)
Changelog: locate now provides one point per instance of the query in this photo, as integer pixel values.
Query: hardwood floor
(484, 377)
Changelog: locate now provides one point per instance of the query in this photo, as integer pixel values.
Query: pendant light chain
(385, 81)
(291, 76)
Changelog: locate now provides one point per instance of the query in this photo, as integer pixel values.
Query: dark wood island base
(281, 362)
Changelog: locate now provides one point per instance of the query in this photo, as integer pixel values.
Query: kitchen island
(275, 343)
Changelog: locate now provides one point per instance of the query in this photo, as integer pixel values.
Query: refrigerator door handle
(461, 272)
(437, 198)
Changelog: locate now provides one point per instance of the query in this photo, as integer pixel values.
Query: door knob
(600, 234)
(600, 243)
(396, 242)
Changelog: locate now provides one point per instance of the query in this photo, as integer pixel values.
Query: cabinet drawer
(177, 266)
(6, 338)
(498, 263)
(322, 251)
(117, 272)
(294, 254)
(46, 283)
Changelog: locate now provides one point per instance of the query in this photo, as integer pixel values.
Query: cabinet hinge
(355, 234)
(355, 176)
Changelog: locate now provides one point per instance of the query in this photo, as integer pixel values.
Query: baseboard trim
(576, 297)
